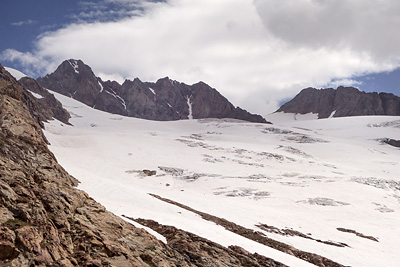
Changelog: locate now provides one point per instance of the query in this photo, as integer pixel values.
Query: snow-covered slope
(16, 73)
(328, 186)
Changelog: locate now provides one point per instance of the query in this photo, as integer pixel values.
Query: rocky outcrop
(392, 142)
(342, 102)
(196, 247)
(49, 107)
(46, 221)
(163, 100)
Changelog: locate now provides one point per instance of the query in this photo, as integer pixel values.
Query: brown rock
(8, 251)
(30, 238)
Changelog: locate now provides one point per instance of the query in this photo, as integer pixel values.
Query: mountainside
(164, 100)
(342, 102)
(46, 221)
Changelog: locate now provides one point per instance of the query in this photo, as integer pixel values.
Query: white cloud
(24, 22)
(344, 82)
(368, 26)
(244, 49)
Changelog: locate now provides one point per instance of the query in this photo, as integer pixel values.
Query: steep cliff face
(342, 102)
(49, 107)
(46, 221)
(163, 100)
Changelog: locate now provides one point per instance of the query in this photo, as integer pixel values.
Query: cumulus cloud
(256, 53)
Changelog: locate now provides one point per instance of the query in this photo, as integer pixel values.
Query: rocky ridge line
(163, 100)
(342, 102)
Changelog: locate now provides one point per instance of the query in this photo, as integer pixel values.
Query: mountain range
(163, 100)
(193, 192)
(342, 102)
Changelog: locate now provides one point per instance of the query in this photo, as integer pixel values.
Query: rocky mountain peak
(75, 79)
(342, 102)
(165, 99)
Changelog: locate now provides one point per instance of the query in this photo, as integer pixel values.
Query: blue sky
(255, 52)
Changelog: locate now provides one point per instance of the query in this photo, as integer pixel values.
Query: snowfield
(329, 187)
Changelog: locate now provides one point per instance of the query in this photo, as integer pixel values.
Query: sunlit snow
(311, 176)
(74, 64)
(189, 103)
(15, 73)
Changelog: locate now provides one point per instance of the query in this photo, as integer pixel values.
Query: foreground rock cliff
(45, 221)
(342, 102)
(164, 100)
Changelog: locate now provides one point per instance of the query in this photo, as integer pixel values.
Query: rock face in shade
(163, 100)
(342, 102)
(46, 221)
(49, 106)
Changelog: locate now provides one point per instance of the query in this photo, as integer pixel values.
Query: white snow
(36, 95)
(312, 176)
(189, 103)
(278, 117)
(101, 86)
(152, 90)
(15, 73)
(332, 114)
(151, 231)
(74, 64)
(122, 101)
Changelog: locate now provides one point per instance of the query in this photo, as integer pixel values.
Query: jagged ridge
(163, 100)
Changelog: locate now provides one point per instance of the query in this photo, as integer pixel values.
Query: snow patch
(101, 86)
(332, 114)
(36, 95)
(152, 90)
(15, 73)
(149, 230)
(74, 64)
(190, 116)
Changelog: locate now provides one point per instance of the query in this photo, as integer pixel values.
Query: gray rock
(344, 101)
(163, 100)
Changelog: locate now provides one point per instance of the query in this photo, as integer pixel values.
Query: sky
(257, 53)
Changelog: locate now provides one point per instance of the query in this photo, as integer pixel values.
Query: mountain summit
(163, 100)
(342, 102)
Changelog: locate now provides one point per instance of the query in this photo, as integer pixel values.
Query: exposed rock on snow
(253, 235)
(357, 234)
(291, 232)
(322, 201)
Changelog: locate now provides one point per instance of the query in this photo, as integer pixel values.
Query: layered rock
(46, 221)
(163, 100)
(342, 102)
